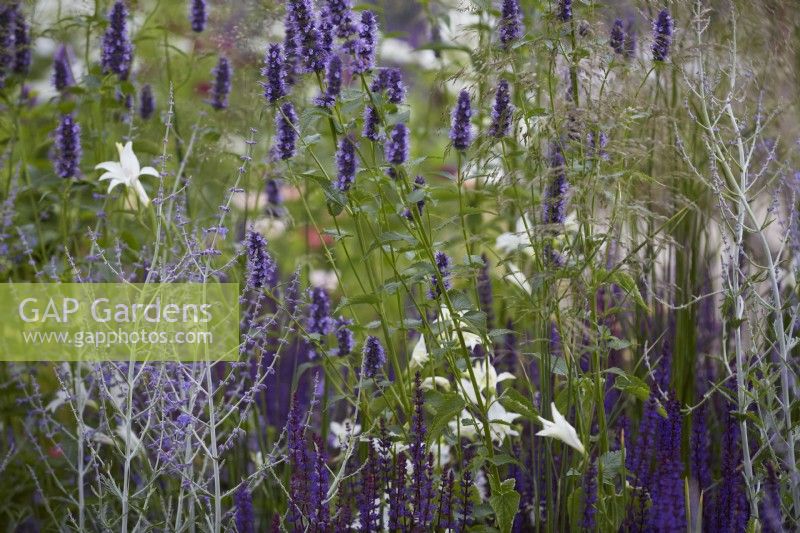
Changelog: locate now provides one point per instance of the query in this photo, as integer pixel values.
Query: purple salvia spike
(286, 132)
(511, 27)
(243, 503)
(221, 88)
(397, 145)
(372, 121)
(68, 147)
(461, 127)
(662, 36)
(274, 73)
(502, 111)
(22, 44)
(346, 163)
(367, 43)
(333, 83)
(440, 283)
(374, 357)
(198, 14)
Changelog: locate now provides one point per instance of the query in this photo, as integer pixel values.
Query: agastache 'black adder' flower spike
(117, 52)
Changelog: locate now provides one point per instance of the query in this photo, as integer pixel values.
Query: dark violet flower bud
(117, 52)
(62, 72)
(617, 37)
(274, 206)
(700, 458)
(510, 22)
(374, 357)
(285, 132)
(319, 312)
(344, 336)
(22, 44)
(589, 497)
(466, 500)
(68, 147)
(564, 10)
(502, 111)
(7, 16)
(770, 506)
(555, 202)
(419, 182)
(630, 41)
(274, 74)
(147, 102)
(662, 36)
(460, 126)
(346, 162)
(372, 121)
(222, 74)
(484, 290)
(366, 46)
(198, 14)
(309, 42)
(397, 145)
(333, 83)
(243, 503)
(391, 81)
(440, 283)
(261, 268)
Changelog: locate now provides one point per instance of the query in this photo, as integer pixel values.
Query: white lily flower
(486, 377)
(560, 429)
(419, 355)
(341, 432)
(126, 172)
(500, 422)
(434, 383)
(518, 278)
(519, 239)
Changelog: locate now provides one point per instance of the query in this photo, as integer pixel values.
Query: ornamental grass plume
(460, 126)
(117, 51)
(274, 73)
(198, 15)
(221, 88)
(67, 147)
(662, 36)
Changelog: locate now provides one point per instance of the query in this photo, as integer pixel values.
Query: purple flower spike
(372, 121)
(243, 503)
(222, 83)
(342, 18)
(461, 127)
(367, 43)
(198, 14)
(7, 16)
(22, 44)
(443, 266)
(147, 103)
(274, 74)
(662, 36)
(344, 336)
(502, 111)
(397, 146)
(617, 37)
(290, 48)
(510, 22)
(117, 52)
(333, 82)
(319, 312)
(326, 31)
(374, 357)
(564, 10)
(309, 40)
(286, 132)
(589, 497)
(391, 81)
(347, 163)
(555, 204)
(62, 72)
(630, 41)
(261, 268)
(68, 147)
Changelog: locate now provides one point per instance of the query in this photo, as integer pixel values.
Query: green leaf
(445, 408)
(630, 384)
(504, 501)
(628, 284)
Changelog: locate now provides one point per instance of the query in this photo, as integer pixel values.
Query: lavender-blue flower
(221, 88)
(616, 38)
(345, 339)
(367, 43)
(511, 27)
(147, 103)
(397, 145)
(285, 132)
(374, 357)
(62, 72)
(554, 203)
(274, 74)
(391, 81)
(564, 13)
(460, 126)
(502, 111)
(22, 44)
(198, 15)
(346, 163)
(309, 41)
(117, 52)
(372, 121)
(261, 268)
(333, 83)
(68, 147)
(662, 35)
(440, 283)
